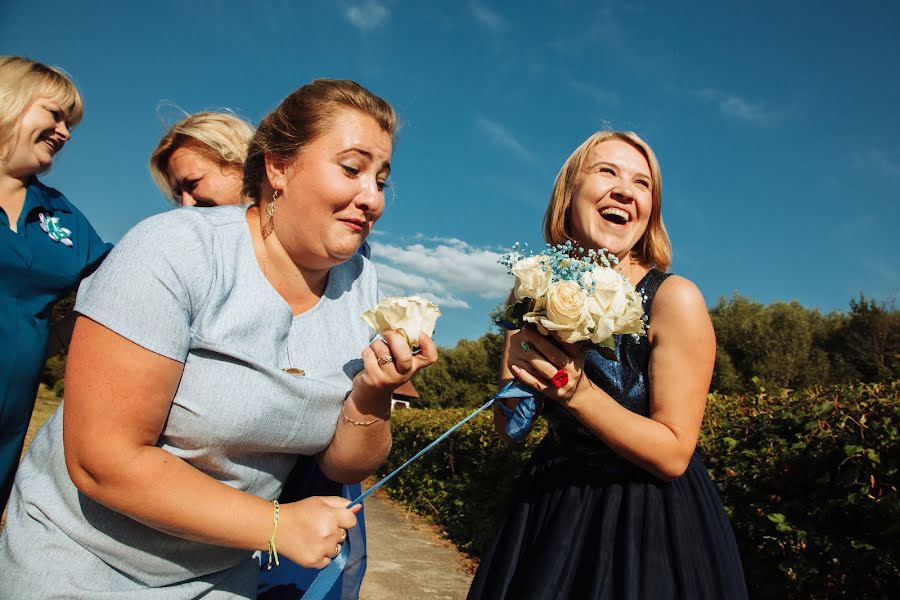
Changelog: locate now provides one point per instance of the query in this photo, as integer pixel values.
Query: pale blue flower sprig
(567, 261)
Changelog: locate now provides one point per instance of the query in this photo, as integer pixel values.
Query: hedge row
(809, 479)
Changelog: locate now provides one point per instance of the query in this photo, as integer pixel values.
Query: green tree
(783, 345)
(868, 343)
(465, 375)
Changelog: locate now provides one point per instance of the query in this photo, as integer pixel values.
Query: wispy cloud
(502, 137)
(736, 107)
(367, 16)
(488, 18)
(445, 270)
(597, 94)
(880, 162)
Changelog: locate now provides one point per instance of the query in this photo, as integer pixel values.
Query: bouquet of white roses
(573, 295)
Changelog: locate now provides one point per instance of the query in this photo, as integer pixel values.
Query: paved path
(408, 559)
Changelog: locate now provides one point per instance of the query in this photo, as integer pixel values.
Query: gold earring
(269, 226)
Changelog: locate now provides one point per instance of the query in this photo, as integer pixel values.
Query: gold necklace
(264, 259)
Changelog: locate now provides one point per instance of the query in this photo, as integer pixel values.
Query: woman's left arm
(682, 356)
(363, 436)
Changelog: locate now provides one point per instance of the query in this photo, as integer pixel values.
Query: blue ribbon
(329, 575)
(519, 420)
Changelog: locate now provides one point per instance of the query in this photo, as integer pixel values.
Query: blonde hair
(303, 116)
(654, 247)
(219, 136)
(21, 81)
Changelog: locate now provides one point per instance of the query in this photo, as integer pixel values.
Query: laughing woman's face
(612, 199)
(43, 130)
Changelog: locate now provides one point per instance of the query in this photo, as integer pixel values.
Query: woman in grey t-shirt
(214, 346)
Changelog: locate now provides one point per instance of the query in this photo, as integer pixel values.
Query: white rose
(602, 323)
(631, 320)
(602, 277)
(567, 314)
(608, 295)
(410, 315)
(532, 277)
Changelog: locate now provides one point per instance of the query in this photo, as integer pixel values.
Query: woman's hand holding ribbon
(310, 531)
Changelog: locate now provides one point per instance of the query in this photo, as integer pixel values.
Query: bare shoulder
(678, 304)
(678, 293)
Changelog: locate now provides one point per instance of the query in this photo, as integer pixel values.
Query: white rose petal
(412, 314)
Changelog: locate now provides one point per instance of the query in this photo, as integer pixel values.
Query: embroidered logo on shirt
(54, 231)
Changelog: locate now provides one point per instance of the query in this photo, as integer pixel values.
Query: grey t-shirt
(186, 285)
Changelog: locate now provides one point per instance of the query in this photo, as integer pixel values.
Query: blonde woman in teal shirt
(46, 245)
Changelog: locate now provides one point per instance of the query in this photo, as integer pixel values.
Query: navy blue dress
(36, 270)
(585, 523)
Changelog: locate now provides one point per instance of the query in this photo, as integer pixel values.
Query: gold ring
(344, 537)
(383, 360)
(337, 550)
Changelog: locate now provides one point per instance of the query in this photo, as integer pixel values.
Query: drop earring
(268, 227)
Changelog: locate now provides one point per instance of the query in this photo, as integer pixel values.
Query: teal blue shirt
(37, 267)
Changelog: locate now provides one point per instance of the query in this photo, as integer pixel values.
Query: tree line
(783, 345)
(778, 346)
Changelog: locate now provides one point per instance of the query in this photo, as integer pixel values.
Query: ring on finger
(560, 378)
(383, 360)
(525, 346)
(343, 536)
(337, 550)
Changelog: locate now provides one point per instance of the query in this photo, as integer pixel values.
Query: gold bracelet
(352, 421)
(272, 550)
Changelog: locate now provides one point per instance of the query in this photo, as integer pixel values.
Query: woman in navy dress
(46, 245)
(615, 503)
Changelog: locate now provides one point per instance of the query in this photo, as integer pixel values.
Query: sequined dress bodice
(625, 380)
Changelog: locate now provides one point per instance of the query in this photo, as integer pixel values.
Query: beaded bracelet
(272, 550)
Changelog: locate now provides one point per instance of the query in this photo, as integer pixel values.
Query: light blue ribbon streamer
(329, 575)
(519, 420)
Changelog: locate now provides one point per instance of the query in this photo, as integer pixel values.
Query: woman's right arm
(118, 396)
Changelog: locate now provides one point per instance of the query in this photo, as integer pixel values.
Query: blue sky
(776, 124)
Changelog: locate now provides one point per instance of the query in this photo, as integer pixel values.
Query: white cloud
(487, 17)
(597, 94)
(736, 107)
(879, 161)
(367, 16)
(500, 136)
(445, 270)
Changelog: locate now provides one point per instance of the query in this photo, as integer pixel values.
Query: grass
(45, 405)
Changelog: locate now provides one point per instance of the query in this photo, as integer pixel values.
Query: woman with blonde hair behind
(46, 245)
(200, 160)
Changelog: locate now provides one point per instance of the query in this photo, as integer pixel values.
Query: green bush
(810, 482)
(463, 483)
(808, 478)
